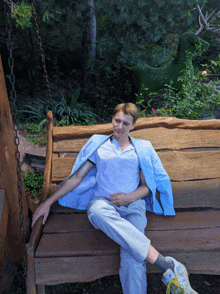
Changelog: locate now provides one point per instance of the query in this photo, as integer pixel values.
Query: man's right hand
(42, 210)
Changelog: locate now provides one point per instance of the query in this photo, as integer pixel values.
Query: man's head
(127, 108)
(125, 116)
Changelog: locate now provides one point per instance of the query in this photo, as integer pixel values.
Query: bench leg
(41, 289)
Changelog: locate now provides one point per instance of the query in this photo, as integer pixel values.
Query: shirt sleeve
(91, 161)
(92, 158)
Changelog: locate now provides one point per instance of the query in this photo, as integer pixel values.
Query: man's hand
(42, 210)
(120, 199)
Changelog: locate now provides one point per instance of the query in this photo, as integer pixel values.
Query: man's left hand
(120, 199)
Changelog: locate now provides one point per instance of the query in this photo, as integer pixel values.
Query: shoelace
(175, 282)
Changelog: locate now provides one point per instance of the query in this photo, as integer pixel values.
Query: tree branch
(203, 21)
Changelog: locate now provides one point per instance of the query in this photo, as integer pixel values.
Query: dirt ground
(203, 284)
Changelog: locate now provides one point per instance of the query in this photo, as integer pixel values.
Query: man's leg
(133, 273)
(103, 215)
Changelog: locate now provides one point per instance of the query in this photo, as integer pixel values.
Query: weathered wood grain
(52, 271)
(61, 167)
(30, 250)
(88, 243)
(4, 213)
(68, 223)
(49, 151)
(142, 123)
(162, 138)
(69, 145)
(180, 166)
(9, 176)
(185, 166)
(188, 194)
(203, 193)
(97, 243)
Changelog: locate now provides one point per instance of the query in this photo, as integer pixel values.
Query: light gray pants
(125, 225)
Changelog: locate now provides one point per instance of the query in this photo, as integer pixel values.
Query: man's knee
(97, 210)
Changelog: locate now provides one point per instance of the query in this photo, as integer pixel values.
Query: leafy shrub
(36, 133)
(32, 182)
(74, 113)
(65, 113)
(195, 100)
(23, 14)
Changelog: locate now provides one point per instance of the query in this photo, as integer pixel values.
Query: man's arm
(120, 199)
(69, 185)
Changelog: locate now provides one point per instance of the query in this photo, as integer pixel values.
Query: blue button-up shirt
(117, 171)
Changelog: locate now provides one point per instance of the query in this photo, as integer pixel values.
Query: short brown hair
(128, 108)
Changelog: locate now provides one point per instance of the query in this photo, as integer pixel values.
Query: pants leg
(133, 273)
(120, 225)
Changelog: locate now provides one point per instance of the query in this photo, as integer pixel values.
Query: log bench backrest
(189, 151)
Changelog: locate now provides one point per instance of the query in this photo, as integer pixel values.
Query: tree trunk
(89, 42)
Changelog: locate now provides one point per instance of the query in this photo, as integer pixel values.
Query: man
(115, 178)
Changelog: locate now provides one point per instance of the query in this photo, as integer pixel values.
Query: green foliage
(32, 182)
(36, 111)
(155, 78)
(22, 14)
(128, 33)
(195, 100)
(74, 112)
(192, 102)
(65, 113)
(34, 128)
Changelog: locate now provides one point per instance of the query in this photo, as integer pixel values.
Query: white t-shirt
(116, 171)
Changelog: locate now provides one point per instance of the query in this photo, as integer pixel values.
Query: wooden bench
(69, 249)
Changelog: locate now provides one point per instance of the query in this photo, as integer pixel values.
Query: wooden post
(3, 226)
(8, 178)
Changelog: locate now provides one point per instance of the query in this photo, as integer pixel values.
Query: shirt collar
(116, 144)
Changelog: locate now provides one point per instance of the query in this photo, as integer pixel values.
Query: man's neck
(122, 141)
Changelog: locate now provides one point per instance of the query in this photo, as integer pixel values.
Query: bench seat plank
(185, 166)
(88, 243)
(141, 124)
(194, 193)
(171, 139)
(187, 194)
(52, 271)
(68, 223)
(97, 243)
(180, 166)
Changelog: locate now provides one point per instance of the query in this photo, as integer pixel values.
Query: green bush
(65, 112)
(196, 100)
(36, 133)
(33, 182)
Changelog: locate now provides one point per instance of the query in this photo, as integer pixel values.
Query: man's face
(122, 124)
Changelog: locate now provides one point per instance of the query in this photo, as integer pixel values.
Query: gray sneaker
(178, 281)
